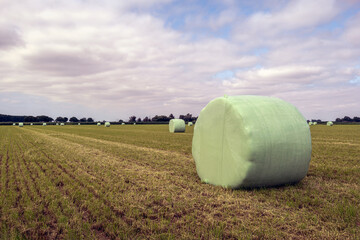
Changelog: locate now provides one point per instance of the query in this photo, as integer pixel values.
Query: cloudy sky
(112, 59)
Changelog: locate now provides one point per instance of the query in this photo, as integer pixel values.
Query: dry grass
(128, 182)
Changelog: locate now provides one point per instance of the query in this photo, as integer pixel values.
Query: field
(140, 182)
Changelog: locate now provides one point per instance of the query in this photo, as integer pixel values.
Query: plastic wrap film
(176, 125)
(190, 124)
(107, 124)
(329, 123)
(21, 124)
(251, 141)
(98, 124)
(44, 124)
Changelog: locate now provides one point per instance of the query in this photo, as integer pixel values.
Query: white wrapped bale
(44, 124)
(311, 123)
(122, 123)
(62, 124)
(21, 124)
(176, 125)
(31, 124)
(14, 124)
(190, 124)
(329, 123)
(134, 123)
(314, 123)
(251, 141)
(79, 124)
(99, 124)
(107, 124)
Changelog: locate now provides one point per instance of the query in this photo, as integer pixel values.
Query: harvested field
(127, 182)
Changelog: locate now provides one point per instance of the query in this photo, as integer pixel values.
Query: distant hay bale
(31, 124)
(62, 124)
(314, 123)
(190, 123)
(21, 124)
(79, 124)
(310, 123)
(176, 125)
(107, 124)
(57, 124)
(14, 124)
(44, 124)
(134, 123)
(99, 124)
(122, 123)
(329, 123)
(251, 141)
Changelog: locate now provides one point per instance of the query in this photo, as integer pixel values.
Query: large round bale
(31, 124)
(329, 123)
(251, 141)
(21, 124)
(314, 123)
(107, 124)
(14, 124)
(190, 124)
(99, 124)
(79, 124)
(44, 124)
(311, 123)
(62, 124)
(176, 125)
(122, 123)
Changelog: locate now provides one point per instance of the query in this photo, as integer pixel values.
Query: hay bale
(14, 124)
(310, 123)
(99, 124)
(107, 124)
(122, 123)
(176, 125)
(79, 124)
(329, 123)
(134, 123)
(190, 124)
(251, 141)
(62, 124)
(21, 124)
(44, 124)
(31, 124)
(314, 123)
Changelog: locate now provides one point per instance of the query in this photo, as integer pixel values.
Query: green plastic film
(21, 124)
(190, 124)
(122, 123)
(62, 124)
(176, 125)
(31, 124)
(107, 124)
(251, 141)
(44, 124)
(14, 124)
(99, 124)
(314, 123)
(329, 123)
(311, 123)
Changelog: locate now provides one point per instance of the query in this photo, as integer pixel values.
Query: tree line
(161, 118)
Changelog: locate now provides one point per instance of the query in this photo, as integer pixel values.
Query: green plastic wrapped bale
(311, 123)
(314, 123)
(329, 123)
(62, 124)
(190, 124)
(176, 125)
(57, 124)
(251, 141)
(99, 124)
(134, 123)
(79, 124)
(107, 124)
(44, 124)
(122, 123)
(21, 124)
(14, 124)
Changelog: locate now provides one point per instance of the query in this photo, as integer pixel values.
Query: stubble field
(140, 182)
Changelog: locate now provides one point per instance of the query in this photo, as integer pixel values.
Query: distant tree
(338, 120)
(83, 120)
(73, 119)
(132, 119)
(356, 119)
(146, 119)
(65, 119)
(59, 119)
(90, 120)
(30, 119)
(347, 119)
(161, 118)
(171, 116)
(121, 121)
(138, 120)
(44, 118)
